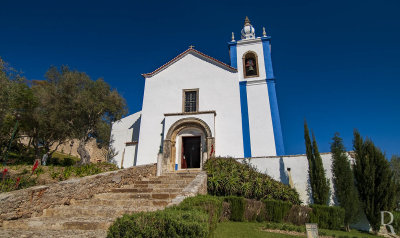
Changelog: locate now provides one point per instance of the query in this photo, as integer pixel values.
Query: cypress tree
(343, 180)
(310, 157)
(319, 183)
(374, 180)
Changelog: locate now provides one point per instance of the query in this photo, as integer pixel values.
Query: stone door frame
(169, 145)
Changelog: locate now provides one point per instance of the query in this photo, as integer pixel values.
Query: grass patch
(244, 230)
(46, 174)
(322, 232)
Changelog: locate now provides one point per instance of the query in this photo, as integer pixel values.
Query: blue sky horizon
(336, 63)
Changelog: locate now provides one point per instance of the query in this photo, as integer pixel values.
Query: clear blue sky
(337, 63)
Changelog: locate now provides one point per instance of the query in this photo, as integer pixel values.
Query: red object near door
(183, 161)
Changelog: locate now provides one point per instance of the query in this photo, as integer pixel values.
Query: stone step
(174, 183)
(52, 233)
(127, 203)
(146, 190)
(96, 211)
(183, 171)
(181, 176)
(59, 223)
(164, 181)
(123, 196)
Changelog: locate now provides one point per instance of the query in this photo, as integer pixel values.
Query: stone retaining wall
(196, 187)
(32, 201)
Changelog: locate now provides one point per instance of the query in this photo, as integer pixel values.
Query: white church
(196, 106)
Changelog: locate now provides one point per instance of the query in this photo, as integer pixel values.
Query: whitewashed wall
(276, 167)
(260, 122)
(218, 91)
(125, 130)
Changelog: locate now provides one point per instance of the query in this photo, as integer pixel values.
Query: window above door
(190, 100)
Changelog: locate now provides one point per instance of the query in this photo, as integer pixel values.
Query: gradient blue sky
(337, 63)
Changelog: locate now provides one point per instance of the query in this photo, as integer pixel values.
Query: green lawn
(352, 233)
(254, 229)
(244, 229)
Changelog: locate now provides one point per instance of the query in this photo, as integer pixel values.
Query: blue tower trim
(245, 119)
(276, 121)
(267, 57)
(233, 53)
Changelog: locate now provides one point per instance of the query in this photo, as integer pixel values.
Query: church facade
(195, 107)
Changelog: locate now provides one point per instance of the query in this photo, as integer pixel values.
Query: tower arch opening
(250, 64)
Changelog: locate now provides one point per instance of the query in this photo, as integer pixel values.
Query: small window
(250, 65)
(190, 100)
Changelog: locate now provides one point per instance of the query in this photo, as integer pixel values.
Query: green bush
(209, 204)
(68, 161)
(228, 177)
(254, 211)
(237, 206)
(166, 223)
(298, 215)
(276, 210)
(327, 217)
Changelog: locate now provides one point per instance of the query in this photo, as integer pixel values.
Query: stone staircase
(92, 217)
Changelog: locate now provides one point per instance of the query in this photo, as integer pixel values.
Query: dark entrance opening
(190, 152)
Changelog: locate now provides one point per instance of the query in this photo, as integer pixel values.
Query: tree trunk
(36, 149)
(83, 153)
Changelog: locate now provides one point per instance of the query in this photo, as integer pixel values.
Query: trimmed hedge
(327, 217)
(198, 217)
(237, 206)
(298, 215)
(276, 210)
(227, 177)
(209, 204)
(167, 223)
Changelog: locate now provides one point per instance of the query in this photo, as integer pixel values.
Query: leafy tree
(374, 179)
(16, 102)
(47, 127)
(318, 182)
(90, 106)
(343, 180)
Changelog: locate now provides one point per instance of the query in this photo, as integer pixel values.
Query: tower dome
(248, 31)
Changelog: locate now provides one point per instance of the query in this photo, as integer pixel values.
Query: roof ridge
(181, 55)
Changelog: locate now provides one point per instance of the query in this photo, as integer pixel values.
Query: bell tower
(261, 127)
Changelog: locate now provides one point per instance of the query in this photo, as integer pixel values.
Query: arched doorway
(186, 144)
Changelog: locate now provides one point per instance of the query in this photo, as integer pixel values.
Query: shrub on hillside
(237, 206)
(255, 210)
(228, 177)
(276, 210)
(166, 223)
(298, 215)
(209, 204)
(327, 217)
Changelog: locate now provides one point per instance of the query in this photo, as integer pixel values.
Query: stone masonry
(86, 207)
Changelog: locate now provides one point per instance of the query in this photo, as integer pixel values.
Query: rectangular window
(190, 100)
